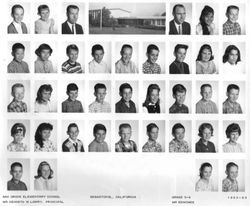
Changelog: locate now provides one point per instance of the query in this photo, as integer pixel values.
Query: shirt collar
(72, 141)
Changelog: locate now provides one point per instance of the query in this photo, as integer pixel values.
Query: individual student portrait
(45, 175)
(74, 18)
(126, 97)
(155, 97)
(19, 136)
(45, 136)
(181, 59)
(207, 97)
(207, 137)
(180, 97)
(234, 58)
(19, 57)
(181, 15)
(73, 136)
(99, 136)
(126, 57)
(234, 136)
(180, 134)
(127, 136)
(19, 174)
(100, 97)
(19, 96)
(72, 57)
(45, 96)
(73, 98)
(233, 172)
(207, 61)
(234, 102)
(154, 62)
(100, 57)
(207, 17)
(18, 18)
(45, 55)
(207, 175)
(234, 19)
(153, 136)
(46, 19)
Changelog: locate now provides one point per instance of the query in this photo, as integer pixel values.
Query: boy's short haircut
(125, 86)
(151, 126)
(234, 127)
(203, 165)
(205, 126)
(152, 47)
(16, 6)
(72, 7)
(72, 125)
(42, 7)
(97, 47)
(43, 47)
(231, 7)
(99, 86)
(17, 46)
(124, 125)
(231, 164)
(180, 46)
(205, 85)
(72, 87)
(15, 164)
(177, 5)
(71, 47)
(177, 126)
(16, 128)
(232, 86)
(99, 127)
(126, 46)
(14, 86)
(179, 88)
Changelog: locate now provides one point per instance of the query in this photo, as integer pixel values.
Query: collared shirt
(153, 108)
(95, 67)
(17, 147)
(72, 106)
(151, 146)
(44, 184)
(97, 107)
(121, 147)
(68, 67)
(204, 107)
(205, 68)
(18, 27)
(18, 67)
(122, 107)
(179, 146)
(230, 28)
(231, 107)
(201, 147)
(11, 185)
(229, 147)
(177, 108)
(178, 27)
(72, 27)
(149, 68)
(16, 106)
(204, 185)
(121, 67)
(72, 146)
(229, 185)
(43, 66)
(48, 146)
(95, 146)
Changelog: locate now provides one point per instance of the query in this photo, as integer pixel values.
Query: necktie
(76, 147)
(179, 29)
(73, 30)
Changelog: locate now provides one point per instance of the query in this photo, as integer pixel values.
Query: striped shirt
(68, 67)
(97, 107)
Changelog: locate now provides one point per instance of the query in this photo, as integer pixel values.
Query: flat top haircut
(232, 86)
(125, 86)
(42, 7)
(99, 86)
(205, 85)
(17, 85)
(16, 6)
(72, 7)
(208, 47)
(177, 5)
(16, 128)
(234, 127)
(231, 7)
(202, 167)
(15, 164)
(205, 126)
(72, 87)
(98, 127)
(97, 47)
(17, 46)
(124, 46)
(180, 46)
(124, 125)
(71, 47)
(177, 126)
(152, 47)
(178, 88)
(72, 125)
(151, 126)
(227, 53)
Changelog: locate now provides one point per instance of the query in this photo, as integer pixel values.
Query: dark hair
(124, 125)
(152, 47)
(39, 170)
(205, 46)
(96, 47)
(72, 7)
(204, 126)
(151, 87)
(177, 126)
(205, 85)
(151, 126)
(72, 87)
(42, 7)
(231, 7)
(179, 88)
(125, 86)
(72, 125)
(43, 47)
(71, 47)
(14, 86)
(38, 134)
(180, 46)
(177, 5)
(232, 86)
(16, 128)
(231, 164)
(202, 167)
(205, 11)
(15, 164)
(99, 127)
(99, 86)
(227, 52)
(234, 127)
(17, 46)
(46, 87)
(16, 6)
(126, 46)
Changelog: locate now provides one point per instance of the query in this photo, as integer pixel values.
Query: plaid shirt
(72, 106)
(16, 106)
(231, 107)
(230, 28)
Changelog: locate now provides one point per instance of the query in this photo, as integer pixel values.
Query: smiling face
(46, 95)
(73, 133)
(18, 94)
(45, 54)
(44, 14)
(45, 171)
(18, 54)
(18, 15)
(126, 54)
(73, 94)
(209, 18)
(179, 15)
(125, 134)
(100, 95)
(154, 96)
(233, 15)
(232, 173)
(100, 136)
(206, 134)
(45, 134)
(72, 15)
(206, 55)
(233, 57)
(17, 173)
(153, 56)
(179, 134)
(234, 136)
(18, 137)
(153, 134)
(180, 54)
(206, 173)
(126, 94)
(73, 55)
(233, 95)
(206, 93)
(98, 56)
(180, 97)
